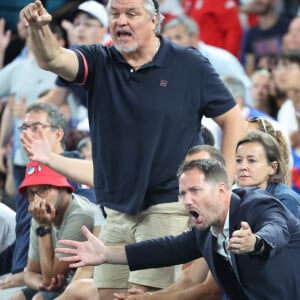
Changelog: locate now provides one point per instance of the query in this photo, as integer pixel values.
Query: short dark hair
(214, 172)
(212, 151)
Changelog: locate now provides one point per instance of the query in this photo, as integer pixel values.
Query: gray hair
(189, 25)
(235, 86)
(151, 9)
(54, 116)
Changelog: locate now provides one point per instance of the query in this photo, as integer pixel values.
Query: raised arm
(50, 56)
(38, 148)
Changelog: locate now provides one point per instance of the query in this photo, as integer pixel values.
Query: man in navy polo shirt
(146, 99)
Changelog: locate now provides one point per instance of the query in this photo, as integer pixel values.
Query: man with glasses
(56, 213)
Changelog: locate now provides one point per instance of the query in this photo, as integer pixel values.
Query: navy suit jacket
(274, 277)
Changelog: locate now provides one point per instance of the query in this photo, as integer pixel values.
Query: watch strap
(42, 231)
(259, 243)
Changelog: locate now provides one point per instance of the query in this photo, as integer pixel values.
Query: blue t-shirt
(265, 42)
(287, 196)
(143, 122)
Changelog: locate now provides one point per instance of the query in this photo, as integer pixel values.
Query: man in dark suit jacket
(250, 241)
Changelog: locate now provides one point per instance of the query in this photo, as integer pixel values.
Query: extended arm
(38, 149)
(50, 56)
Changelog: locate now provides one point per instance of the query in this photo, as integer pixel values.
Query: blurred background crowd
(253, 44)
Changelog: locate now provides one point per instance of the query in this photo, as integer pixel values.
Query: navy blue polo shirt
(143, 122)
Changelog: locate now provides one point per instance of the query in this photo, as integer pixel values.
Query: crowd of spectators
(252, 47)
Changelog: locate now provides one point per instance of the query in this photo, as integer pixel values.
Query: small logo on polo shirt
(163, 83)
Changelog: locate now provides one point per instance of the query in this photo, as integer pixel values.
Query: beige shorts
(158, 220)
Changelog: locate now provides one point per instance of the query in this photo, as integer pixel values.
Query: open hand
(89, 253)
(242, 240)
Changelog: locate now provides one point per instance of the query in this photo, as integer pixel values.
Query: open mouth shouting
(123, 34)
(194, 216)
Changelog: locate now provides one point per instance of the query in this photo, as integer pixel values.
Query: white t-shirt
(287, 117)
(7, 227)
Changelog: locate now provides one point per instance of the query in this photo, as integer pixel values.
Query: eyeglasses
(156, 5)
(192, 190)
(42, 191)
(34, 126)
(261, 120)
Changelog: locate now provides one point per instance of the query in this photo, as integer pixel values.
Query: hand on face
(42, 212)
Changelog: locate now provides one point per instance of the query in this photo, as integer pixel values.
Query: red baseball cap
(38, 174)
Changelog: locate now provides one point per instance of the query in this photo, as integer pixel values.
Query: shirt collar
(160, 59)
(225, 231)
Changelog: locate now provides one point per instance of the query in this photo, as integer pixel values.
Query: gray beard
(124, 50)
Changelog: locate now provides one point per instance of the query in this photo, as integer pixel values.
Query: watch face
(258, 243)
(41, 231)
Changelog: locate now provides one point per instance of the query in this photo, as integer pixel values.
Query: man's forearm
(78, 170)
(50, 56)
(207, 290)
(46, 258)
(116, 255)
(44, 46)
(33, 280)
(234, 127)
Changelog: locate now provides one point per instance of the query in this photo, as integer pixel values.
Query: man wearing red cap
(56, 213)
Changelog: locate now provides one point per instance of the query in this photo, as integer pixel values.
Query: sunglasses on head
(156, 5)
(261, 120)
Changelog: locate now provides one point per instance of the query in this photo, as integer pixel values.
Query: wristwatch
(41, 231)
(259, 243)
